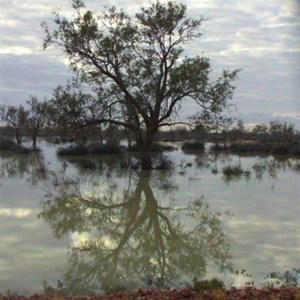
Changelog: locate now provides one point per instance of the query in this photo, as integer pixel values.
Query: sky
(260, 37)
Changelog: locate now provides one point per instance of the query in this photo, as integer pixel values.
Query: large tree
(134, 68)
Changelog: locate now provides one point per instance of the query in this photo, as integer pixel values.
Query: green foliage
(207, 285)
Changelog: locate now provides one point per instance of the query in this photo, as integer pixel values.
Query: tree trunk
(144, 143)
(18, 136)
(34, 142)
(146, 161)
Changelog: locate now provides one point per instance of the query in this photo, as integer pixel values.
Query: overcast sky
(261, 37)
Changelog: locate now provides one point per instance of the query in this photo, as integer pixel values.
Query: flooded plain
(93, 224)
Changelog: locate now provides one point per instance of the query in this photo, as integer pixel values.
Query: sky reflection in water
(124, 227)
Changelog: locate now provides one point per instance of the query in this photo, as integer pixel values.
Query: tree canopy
(132, 70)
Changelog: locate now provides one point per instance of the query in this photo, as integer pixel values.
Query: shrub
(108, 148)
(207, 285)
(217, 147)
(295, 150)
(24, 150)
(7, 145)
(232, 171)
(88, 164)
(72, 150)
(296, 167)
(280, 150)
(192, 146)
(12, 146)
(162, 162)
(246, 148)
(156, 147)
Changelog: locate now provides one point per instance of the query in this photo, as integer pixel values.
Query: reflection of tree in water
(264, 166)
(133, 239)
(271, 167)
(30, 167)
(212, 159)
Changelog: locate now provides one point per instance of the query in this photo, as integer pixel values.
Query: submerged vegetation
(10, 145)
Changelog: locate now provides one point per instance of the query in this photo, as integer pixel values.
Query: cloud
(259, 37)
(15, 212)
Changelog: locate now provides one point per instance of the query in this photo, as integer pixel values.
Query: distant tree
(238, 131)
(201, 131)
(214, 121)
(132, 70)
(37, 118)
(226, 125)
(15, 118)
(282, 131)
(260, 131)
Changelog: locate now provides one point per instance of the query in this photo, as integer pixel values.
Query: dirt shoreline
(177, 294)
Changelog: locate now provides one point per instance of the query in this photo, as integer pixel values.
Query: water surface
(101, 228)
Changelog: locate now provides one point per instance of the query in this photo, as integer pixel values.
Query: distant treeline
(273, 132)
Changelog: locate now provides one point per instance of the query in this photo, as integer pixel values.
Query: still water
(95, 225)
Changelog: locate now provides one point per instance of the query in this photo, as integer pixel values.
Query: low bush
(24, 150)
(295, 150)
(192, 146)
(207, 285)
(162, 162)
(7, 145)
(108, 148)
(73, 150)
(156, 147)
(87, 164)
(232, 171)
(10, 145)
(296, 167)
(250, 148)
(217, 147)
(280, 150)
